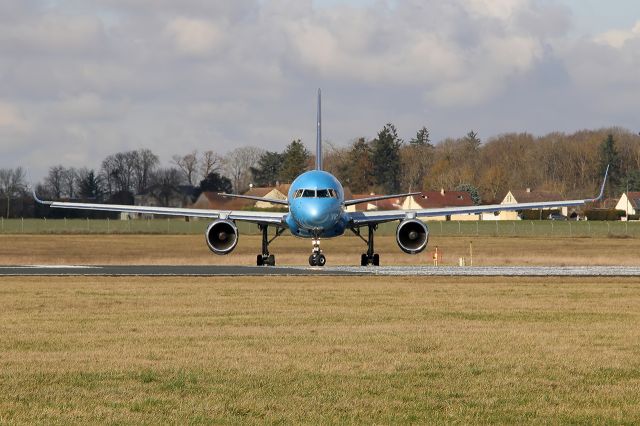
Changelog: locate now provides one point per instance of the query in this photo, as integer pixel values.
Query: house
(215, 201)
(278, 192)
(629, 203)
(372, 205)
(441, 199)
(423, 200)
(516, 196)
(161, 196)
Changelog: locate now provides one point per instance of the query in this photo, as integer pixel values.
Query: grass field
(191, 249)
(519, 228)
(363, 350)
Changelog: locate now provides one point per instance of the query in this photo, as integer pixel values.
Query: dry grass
(191, 249)
(366, 350)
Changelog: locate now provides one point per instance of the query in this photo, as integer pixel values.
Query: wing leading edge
(372, 217)
(276, 218)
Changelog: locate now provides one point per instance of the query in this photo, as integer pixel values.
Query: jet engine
(222, 236)
(412, 236)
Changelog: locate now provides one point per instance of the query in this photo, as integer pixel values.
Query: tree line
(571, 164)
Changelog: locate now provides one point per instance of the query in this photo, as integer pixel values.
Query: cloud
(86, 79)
(11, 119)
(195, 36)
(618, 38)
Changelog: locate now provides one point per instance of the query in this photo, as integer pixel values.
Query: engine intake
(222, 236)
(412, 236)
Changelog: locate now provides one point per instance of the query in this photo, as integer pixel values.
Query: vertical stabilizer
(319, 135)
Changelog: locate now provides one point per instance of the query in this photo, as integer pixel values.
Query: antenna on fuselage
(319, 135)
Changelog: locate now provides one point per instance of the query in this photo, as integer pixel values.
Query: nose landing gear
(317, 258)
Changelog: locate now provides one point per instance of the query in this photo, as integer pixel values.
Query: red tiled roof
(388, 204)
(611, 203)
(214, 201)
(261, 191)
(438, 199)
(634, 198)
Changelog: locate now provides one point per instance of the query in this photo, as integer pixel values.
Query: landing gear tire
(269, 260)
(317, 259)
(373, 260)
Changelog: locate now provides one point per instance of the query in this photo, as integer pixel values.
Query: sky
(80, 79)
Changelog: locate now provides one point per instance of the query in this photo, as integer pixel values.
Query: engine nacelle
(222, 236)
(412, 236)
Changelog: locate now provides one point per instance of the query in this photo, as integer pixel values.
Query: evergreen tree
(90, 186)
(386, 159)
(215, 182)
(609, 156)
(472, 190)
(295, 159)
(422, 138)
(472, 141)
(631, 182)
(268, 169)
(360, 172)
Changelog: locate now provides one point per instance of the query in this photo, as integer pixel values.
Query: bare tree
(118, 171)
(210, 162)
(70, 178)
(55, 181)
(146, 162)
(166, 181)
(107, 174)
(188, 164)
(12, 184)
(238, 164)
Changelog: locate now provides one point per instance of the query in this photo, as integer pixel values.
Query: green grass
(297, 350)
(437, 228)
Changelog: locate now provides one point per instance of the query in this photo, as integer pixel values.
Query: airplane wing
(374, 217)
(270, 218)
(252, 197)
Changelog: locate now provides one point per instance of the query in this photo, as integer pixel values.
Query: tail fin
(319, 135)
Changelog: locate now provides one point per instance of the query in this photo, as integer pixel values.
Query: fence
(543, 228)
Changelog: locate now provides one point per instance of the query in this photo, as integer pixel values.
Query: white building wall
(625, 204)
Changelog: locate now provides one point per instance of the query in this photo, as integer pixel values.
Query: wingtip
(38, 200)
(604, 183)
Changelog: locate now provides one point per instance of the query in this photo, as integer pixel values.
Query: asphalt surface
(213, 270)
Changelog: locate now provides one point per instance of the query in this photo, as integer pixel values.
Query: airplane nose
(314, 217)
(317, 214)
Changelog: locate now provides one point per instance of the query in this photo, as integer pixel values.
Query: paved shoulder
(226, 270)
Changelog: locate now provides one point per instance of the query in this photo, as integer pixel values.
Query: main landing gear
(317, 258)
(266, 259)
(368, 258)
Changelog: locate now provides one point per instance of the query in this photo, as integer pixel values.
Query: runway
(227, 270)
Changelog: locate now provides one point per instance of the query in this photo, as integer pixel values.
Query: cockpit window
(313, 193)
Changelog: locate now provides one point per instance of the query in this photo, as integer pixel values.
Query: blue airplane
(317, 210)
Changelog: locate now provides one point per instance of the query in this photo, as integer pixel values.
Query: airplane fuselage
(316, 206)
